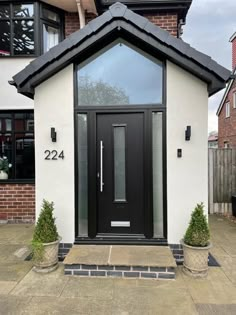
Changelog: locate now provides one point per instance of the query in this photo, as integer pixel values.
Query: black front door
(120, 173)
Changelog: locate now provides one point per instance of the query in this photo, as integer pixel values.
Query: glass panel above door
(120, 74)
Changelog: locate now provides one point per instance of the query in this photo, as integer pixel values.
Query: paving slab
(14, 271)
(96, 288)
(215, 289)
(39, 284)
(13, 305)
(214, 309)
(155, 256)
(88, 255)
(10, 252)
(16, 233)
(6, 287)
(75, 306)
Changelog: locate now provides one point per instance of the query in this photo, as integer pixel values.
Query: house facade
(120, 125)
(28, 29)
(227, 109)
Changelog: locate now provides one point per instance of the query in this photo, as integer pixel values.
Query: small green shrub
(45, 230)
(198, 233)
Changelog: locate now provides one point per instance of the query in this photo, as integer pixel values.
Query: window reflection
(23, 43)
(120, 74)
(23, 10)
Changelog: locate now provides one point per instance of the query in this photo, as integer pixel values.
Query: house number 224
(53, 155)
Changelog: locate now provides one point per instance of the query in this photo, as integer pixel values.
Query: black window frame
(13, 134)
(39, 20)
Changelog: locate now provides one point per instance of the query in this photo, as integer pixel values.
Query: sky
(209, 25)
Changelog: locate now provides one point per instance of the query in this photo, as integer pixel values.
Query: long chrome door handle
(101, 166)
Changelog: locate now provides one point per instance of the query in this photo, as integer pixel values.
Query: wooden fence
(221, 179)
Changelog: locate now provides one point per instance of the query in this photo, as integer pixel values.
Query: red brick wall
(71, 23)
(227, 126)
(17, 203)
(167, 21)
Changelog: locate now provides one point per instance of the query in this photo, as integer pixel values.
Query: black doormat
(212, 262)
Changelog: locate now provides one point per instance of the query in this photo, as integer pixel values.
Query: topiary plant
(45, 230)
(198, 233)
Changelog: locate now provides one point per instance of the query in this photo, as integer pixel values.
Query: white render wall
(187, 104)
(187, 178)
(55, 179)
(10, 99)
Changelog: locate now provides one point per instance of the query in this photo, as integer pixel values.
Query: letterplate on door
(120, 223)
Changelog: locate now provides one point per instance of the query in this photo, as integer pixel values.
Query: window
(51, 28)
(16, 29)
(29, 29)
(120, 74)
(227, 110)
(17, 143)
(226, 145)
(234, 99)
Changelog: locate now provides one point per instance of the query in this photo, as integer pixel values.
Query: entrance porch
(120, 261)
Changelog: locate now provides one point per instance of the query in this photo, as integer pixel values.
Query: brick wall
(17, 203)
(234, 53)
(227, 126)
(167, 21)
(71, 23)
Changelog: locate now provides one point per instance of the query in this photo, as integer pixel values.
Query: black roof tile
(117, 10)
(118, 15)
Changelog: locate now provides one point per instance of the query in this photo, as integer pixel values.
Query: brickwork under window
(17, 203)
(167, 21)
(227, 126)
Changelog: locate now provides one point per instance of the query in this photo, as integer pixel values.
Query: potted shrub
(4, 167)
(46, 240)
(196, 244)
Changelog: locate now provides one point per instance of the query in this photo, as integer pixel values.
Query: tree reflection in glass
(120, 74)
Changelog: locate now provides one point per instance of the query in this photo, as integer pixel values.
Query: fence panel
(221, 179)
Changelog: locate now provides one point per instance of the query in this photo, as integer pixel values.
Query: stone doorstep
(120, 271)
(149, 262)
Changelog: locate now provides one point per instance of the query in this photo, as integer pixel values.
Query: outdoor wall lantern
(53, 134)
(188, 133)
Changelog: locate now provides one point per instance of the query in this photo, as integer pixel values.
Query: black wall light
(188, 133)
(53, 135)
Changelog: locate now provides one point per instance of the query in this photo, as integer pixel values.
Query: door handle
(101, 166)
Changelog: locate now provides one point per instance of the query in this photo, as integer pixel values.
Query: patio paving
(23, 291)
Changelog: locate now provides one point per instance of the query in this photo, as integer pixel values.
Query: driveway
(23, 291)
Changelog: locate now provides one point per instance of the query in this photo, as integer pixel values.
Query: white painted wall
(10, 99)
(187, 104)
(55, 179)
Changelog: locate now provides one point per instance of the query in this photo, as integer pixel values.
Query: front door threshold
(147, 262)
(120, 240)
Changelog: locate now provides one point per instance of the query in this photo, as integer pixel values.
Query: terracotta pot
(3, 175)
(49, 260)
(196, 260)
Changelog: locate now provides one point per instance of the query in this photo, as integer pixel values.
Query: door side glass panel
(120, 74)
(82, 174)
(157, 169)
(119, 163)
